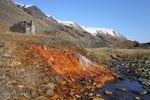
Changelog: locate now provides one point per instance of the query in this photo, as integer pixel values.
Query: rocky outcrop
(23, 27)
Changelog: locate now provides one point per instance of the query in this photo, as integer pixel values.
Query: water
(130, 83)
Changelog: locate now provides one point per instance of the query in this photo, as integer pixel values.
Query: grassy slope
(108, 55)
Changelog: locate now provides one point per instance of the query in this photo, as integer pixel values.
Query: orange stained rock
(70, 65)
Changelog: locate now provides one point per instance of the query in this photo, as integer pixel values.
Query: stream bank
(135, 84)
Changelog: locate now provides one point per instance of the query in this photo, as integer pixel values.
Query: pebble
(98, 86)
(78, 96)
(34, 94)
(97, 98)
(41, 98)
(98, 95)
(49, 92)
(143, 92)
(94, 84)
(108, 92)
(90, 94)
(137, 98)
(2, 42)
(121, 89)
(51, 86)
(86, 93)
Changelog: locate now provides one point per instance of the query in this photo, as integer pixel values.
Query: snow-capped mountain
(105, 31)
(70, 31)
(94, 31)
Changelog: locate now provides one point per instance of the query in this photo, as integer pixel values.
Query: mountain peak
(21, 5)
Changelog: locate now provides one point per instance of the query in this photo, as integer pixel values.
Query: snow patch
(67, 23)
(27, 6)
(21, 5)
(106, 31)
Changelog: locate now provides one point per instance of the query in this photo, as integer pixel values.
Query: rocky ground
(138, 66)
(25, 75)
(134, 63)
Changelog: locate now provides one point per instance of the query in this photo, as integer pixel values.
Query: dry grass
(44, 40)
(107, 55)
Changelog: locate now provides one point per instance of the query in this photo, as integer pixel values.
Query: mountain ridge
(51, 26)
(69, 23)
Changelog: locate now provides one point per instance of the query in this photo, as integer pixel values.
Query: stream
(130, 84)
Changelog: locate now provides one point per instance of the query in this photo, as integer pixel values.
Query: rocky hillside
(49, 25)
(10, 14)
(76, 31)
(108, 34)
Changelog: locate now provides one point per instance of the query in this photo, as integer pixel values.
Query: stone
(143, 92)
(108, 92)
(90, 94)
(27, 93)
(58, 79)
(34, 94)
(6, 55)
(2, 41)
(78, 96)
(52, 78)
(49, 92)
(86, 93)
(137, 98)
(147, 83)
(97, 98)
(147, 62)
(54, 97)
(144, 87)
(121, 89)
(98, 86)
(42, 90)
(51, 86)
(41, 98)
(98, 95)
(121, 78)
(73, 80)
(94, 84)
(88, 87)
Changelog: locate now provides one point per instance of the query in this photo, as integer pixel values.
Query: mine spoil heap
(40, 72)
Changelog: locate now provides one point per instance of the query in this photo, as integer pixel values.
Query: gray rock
(2, 41)
(34, 94)
(49, 92)
(27, 93)
(147, 62)
(58, 79)
(51, 86)
(52, 78)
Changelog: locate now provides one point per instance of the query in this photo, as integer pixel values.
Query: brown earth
(26, 68)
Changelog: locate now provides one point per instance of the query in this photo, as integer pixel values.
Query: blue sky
(130, 18)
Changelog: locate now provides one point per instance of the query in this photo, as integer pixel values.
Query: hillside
(65, 61)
